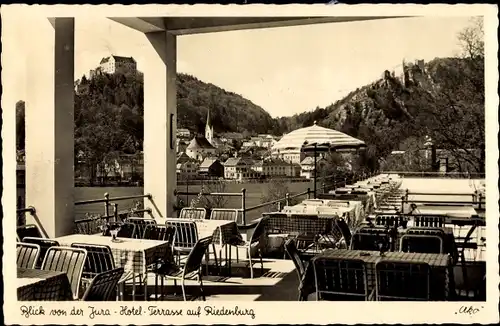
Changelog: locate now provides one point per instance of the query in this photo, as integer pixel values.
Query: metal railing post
(287, 199)
(106, 204)
(308, 193)
(115, 211)
(323, 188)
(243, 205)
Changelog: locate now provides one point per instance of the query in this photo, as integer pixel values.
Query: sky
(284, 70)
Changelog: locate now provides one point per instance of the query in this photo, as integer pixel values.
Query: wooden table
(41, 285)
(133, 255)
(441, 272)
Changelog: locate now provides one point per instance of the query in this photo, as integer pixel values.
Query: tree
(276, 189)
(209, 202)
(455, 115)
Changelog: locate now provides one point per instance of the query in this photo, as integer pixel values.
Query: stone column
(49, 126)
(160, 118)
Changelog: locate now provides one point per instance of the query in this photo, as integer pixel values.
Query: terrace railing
(447, 175)
(21, 214)
(92, 224)
(324, 184)
(478, 199)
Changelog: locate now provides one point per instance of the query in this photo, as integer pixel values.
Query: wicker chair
(224, 214)
(186, 237)
(44, 244)
(28, 255)
(191, 269)
(127, 229)
(99, 260)
(140, 225)
(256, 241)
(294, 254)
(436, 221)
(402, 281)
(390, 220)
(68, 260)
(103, 286)
(421, 243)
(367, 241)
(193, 213)
(340, 279)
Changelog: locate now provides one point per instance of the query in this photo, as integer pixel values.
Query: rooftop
(117, 59)
(200, 142)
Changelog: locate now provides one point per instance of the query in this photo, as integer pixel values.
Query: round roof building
(292, 146)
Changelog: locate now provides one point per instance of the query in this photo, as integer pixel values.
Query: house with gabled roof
(211, 167)
(307, 166)
(239, 168)
(200, 148)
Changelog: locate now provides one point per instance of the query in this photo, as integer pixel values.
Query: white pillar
(49, 126)
(160, 118)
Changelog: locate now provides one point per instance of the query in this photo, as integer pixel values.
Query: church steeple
(209, 129)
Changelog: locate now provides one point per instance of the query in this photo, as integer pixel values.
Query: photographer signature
(468, 310)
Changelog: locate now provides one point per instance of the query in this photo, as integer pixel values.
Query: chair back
(423, 243)
(436, 221)
(44, 244)
(99, 259)
(186, 234)
(293, 253)
(260, 231)
(224, 214)
(367, 241)
(337, 278)
(342, 226)
(28, 255)
(193, 213)
(68, 260)
(389, 220)
(426, 231)
(160, 232)
(127, 229)
(195, 257)
(103, 286)
(140, 225)
(29, 230)
(402, 281)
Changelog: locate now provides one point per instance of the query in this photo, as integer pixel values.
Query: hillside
(229, 112)
(443, 99)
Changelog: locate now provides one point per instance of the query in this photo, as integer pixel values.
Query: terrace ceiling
(197, 25)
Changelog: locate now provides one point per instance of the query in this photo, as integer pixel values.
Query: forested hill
(442, 99)
(229, 112)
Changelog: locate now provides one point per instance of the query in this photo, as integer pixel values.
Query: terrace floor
(278, 283)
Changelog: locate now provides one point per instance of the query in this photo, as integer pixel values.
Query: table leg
(146, 288)
(133, 285)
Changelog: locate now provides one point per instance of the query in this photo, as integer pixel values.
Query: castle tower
(209, 130)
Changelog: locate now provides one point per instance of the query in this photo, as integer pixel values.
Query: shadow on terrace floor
(278, 283)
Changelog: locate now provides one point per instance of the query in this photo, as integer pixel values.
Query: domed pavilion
(293, 146)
